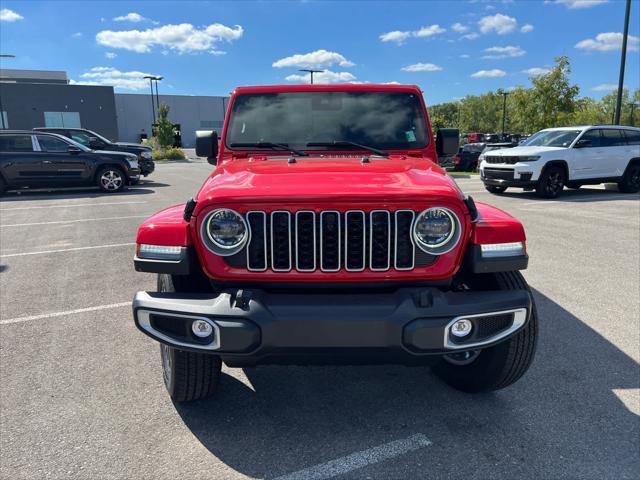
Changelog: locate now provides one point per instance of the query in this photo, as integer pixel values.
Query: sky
(450, 49)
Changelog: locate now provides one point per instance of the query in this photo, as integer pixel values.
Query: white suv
(571, 156)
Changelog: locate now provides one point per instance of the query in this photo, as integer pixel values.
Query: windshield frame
(421, 111)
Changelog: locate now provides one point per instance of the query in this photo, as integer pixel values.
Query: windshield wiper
(346, 143)
(281, 146)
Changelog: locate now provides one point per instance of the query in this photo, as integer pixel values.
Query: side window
(16, 143)
(52, 144)
(612, 137)
(593, 136)
(80, 137)
(633, 137)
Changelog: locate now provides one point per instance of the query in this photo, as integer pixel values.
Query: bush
(168, 154)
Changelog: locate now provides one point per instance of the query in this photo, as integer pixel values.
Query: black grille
(489, 326)
(498, 174)
(307, 241)
(503, 160)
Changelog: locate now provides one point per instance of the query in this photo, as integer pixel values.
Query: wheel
(495, 189)
(3, 186)
(551, 182)
(111, 179)
(499, 366)
(630, 182)
(187, 375)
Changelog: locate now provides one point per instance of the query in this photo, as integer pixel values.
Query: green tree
(164, 128)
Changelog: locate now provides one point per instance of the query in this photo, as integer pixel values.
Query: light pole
(623, 58)
(157, 96)
(5, 55)
(311, 71)
(153, 106)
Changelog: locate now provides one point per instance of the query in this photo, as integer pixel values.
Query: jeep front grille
(329, 241)
(503, 160)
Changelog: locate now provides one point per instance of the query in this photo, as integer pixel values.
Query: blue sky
(451, 49)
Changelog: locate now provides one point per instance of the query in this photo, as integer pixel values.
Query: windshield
(384, 120)
(552, 138)
(98, 136)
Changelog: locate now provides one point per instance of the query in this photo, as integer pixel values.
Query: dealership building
(36, 98)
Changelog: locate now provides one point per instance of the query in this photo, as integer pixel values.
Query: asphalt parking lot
(82, 395)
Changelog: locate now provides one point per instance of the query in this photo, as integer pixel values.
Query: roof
(342, 87)
(33, 76)
(582, 127)
(25, 132)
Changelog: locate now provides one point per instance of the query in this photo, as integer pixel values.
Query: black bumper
(146, 166)
(504, 178)
(258, 327)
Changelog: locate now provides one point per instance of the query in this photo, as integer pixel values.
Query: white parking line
(358, 460)
(69, 205)
(42, 252)
(72, 221)
(62, 314)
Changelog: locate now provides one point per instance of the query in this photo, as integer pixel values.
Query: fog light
(461, 328)
(201, 329)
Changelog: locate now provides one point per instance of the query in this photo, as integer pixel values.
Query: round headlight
(436, 230)
(227, 231)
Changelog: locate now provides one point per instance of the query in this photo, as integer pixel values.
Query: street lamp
(153, 106)
(157, 96)
(311, 71)
(623, 58)
(4, 55)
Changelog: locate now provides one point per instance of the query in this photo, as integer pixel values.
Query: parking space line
(71, 221)
(361, 459)
(42, 252)
(70, 205)
(62, 314)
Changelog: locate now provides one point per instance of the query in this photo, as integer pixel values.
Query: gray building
(192, 113)
(38, 98)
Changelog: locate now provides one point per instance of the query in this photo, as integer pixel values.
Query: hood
(134, 146)
(345, 179)
(112, 154)
(521, 151)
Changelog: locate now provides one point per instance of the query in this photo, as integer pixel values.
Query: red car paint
(406, 179)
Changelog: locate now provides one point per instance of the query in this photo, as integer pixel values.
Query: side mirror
(207, 145)
(447, 141)
(73, 149)
(583, 143)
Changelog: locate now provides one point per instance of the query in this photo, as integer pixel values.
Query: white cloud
(497, 53)
(422, 67)
(470, 36)
(77, 35)
(183, 38)
(400, 37)
(7, 15)
(393, 82)
(110, 55)
(324, 77)
(575, 4)
(459, 28)
(110, 76)
(498, 23)
(464, 55)
(605, 42)
(605, 87)
(317, 59)
(526, 28)
(495, 73)
(131, 17)
(536, 71)
(217, 53)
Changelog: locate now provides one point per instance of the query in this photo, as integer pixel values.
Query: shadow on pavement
(143, 188)
(584, 194)
(562, 419)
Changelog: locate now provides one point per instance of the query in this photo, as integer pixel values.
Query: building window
(210, 124)
(4, 121)
(62, 119)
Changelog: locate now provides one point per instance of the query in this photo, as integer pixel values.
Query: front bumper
(507, 177)
(146, 166)
(254, 326)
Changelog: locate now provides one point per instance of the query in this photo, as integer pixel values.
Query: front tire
(495, 189)
(499, 366)
(187, 375)
(630, 182)
(111, 179)
(551, 182)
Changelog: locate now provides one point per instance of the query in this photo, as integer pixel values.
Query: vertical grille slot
(405, 250)
(354, 240)
(281, 241)
(257, 248)
(330, 241)
(380, 240)
(305, 241)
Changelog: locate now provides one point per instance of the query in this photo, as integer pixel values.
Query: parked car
(95, 141)
(466, 160)
(330, 234)
(42, 159)
(570, 156)
(474, 137)
(490, 147)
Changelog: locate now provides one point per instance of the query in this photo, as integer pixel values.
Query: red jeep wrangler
(328, 234)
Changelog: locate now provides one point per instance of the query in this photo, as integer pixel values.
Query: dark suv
(95, 141)
(40, 159)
